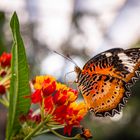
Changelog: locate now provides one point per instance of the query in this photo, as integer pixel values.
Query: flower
(36, 96)
(44, 86)
(59, 101)
(64, 94)
(60, 98)
(86, 134)
(5, 59)
(2, 90)
(5, 72)
(36, 118)
(75, 113)
(44, 81)
(48, 104)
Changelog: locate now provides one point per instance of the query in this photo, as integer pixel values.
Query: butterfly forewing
(105, 80)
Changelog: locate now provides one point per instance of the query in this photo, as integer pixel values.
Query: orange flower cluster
(58, 100)
(5, 72)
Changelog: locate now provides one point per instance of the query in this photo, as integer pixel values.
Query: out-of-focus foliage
(2, 39)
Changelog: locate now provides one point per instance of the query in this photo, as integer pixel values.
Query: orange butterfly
(105, 80)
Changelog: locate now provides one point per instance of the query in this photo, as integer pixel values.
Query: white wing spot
(108, 54)
(127, 61)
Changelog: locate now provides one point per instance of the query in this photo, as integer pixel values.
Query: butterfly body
(105, 80)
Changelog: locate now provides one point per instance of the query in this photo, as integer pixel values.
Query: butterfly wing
(105, 80)
(117, 62)
(103, 94)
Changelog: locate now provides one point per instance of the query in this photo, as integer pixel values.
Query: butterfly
(106, 79)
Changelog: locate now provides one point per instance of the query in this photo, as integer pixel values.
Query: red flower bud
(48, 88)
(3, 73)
(36, 97)
(59, 98)
(5, 59)
(2, 90)
(86, 134)
(48, 104)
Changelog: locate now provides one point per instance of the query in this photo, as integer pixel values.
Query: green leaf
(19, 86)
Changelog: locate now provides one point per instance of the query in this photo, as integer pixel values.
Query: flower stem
(47, 130)
(4, 98)
(63, 137)
(5, 79)
(28, 137)
(42, 109)
(4, 103)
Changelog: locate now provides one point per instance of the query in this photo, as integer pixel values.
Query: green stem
(8, 95)
(46, 131)
(63, 137)
(42, 109)
(5, 100)
(9, 71)
(5, 79)
(28, 137)
(34, 132)
(6, 104)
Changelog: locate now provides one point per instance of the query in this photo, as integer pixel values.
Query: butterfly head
(78, 72)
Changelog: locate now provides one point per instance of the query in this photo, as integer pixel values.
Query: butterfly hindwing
(104, 95)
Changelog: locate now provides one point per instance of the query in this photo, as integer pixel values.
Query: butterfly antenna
(67, 57)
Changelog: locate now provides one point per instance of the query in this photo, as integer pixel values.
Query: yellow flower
(81, 107)
(40, 80)
(71, 96)
(60, 86)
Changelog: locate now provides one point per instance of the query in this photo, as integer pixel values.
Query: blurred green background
(80, 29)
